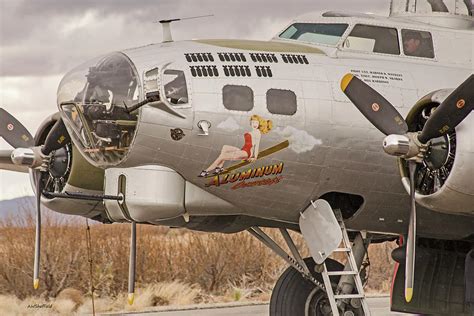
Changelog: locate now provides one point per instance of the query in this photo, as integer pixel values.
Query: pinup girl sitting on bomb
(248, 152)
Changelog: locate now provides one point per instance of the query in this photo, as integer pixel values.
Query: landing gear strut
(328, 288)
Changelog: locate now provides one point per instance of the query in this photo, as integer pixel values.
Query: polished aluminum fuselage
(332, 147)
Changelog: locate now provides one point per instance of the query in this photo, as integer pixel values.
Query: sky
(40, 40)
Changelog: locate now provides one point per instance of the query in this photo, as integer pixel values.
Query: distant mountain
(17, 205)
(26, 205)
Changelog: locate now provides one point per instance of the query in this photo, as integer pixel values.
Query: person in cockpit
(412, 44)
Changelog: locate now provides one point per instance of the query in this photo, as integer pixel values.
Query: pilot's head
(411, 42)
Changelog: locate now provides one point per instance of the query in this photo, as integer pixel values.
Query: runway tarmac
(379, 306)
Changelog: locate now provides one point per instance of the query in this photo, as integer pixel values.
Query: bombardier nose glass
(93, 100)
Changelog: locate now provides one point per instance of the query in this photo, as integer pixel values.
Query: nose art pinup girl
(248, 152)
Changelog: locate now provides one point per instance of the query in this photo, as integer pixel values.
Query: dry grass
(174, 267)
(381, 267)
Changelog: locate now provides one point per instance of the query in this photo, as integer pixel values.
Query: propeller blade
(373, 106)
(131, 265)
(411, 240)
(36, 267)
(14, 132)
(450, 113)
(57, 138)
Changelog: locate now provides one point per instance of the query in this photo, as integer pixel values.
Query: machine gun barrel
(82, 196)
(150, 97)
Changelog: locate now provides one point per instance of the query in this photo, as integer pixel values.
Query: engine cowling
(444, 180)
(69, 171)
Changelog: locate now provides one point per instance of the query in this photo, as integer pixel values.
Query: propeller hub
(23, 157)
(396, 145)
(30, 157)
(406, 146)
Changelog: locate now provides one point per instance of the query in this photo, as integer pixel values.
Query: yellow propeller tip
(36, 284)
(408, 294)
(131, 298)
(345, 81)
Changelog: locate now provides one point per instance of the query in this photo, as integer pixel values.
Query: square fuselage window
(282, 102)
(237, 98)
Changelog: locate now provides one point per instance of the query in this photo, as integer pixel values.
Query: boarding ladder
(335, 298)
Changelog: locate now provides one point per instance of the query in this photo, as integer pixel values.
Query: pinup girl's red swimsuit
(248, 144)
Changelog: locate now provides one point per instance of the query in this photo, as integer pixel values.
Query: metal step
(345, 247)
(342, 273)
(342, 296)
(342, 250)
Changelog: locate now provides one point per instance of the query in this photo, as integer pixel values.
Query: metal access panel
(320, 230)
(150, 193)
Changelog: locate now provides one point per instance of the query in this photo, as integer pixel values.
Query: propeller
(13, 131)
(373, 106)
(37, 233)
(410, 146)
(450, 112)
(411, 240)
(132, 263)
(18, 137)
(57, 138)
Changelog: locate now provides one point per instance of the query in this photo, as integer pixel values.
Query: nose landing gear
(319, 285)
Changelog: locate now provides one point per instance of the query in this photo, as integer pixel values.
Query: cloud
(300, 140)
(230, 124)
(41, 40)
(56, 35)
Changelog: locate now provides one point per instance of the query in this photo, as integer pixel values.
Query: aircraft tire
(291, 294)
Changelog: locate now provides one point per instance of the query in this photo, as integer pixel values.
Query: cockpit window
(417, 43)
(370, 38)
(94, 100)
(318, 33)
(176, 91)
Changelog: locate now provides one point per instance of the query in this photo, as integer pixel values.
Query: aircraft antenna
(166, 24)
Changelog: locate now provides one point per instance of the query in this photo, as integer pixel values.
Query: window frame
(187, 77)
(341, 38)
(413, 56)
(286, 90)
(242, 86)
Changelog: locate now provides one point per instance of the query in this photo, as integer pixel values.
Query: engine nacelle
(69, 171)
(445, 179)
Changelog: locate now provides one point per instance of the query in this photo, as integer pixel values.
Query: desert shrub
(212, 263)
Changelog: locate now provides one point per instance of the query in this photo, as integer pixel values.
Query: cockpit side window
(417, 43)
(317, 33)
(370, 38)
(176, 90)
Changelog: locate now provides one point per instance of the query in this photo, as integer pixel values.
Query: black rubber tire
(291, 290)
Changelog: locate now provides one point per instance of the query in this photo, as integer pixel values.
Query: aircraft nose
(94, 100)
